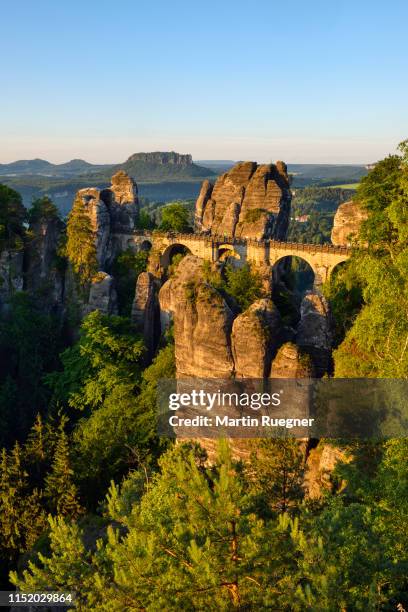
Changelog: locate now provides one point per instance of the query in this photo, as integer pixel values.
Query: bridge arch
(227, 250)
(294, 269)
(171, 251)
(146, 245)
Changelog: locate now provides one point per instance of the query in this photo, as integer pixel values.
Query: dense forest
(93, 501)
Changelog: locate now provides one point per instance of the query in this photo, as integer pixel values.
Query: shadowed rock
(102, 295)
(314, 332)
(145, 310)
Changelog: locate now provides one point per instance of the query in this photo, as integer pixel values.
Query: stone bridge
(261, 254)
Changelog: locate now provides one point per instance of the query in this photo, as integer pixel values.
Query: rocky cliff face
(102, 295)
(44, 276)
(347, 221)
(314, 332)
(248, 201)
(11, 274)
(255, 335)
(160, 157)
(290, 362)
(146, 311)
(202, 322)
(114, 210)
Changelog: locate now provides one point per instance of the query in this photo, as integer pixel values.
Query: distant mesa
(163, 166)
(159, 165)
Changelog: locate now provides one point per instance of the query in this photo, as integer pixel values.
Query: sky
(304, 81)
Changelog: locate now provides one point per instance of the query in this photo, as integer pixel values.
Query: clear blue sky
(306, 81)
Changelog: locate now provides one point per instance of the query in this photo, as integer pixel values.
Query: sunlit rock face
(111, 211)
(347, 222)
(290, 362)
(248, 201)
(255, 335)
(202, 322)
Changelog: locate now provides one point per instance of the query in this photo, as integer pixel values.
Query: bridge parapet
(264, 254)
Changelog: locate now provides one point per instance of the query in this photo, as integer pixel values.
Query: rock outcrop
(146, 311)
(320, 464)
(102, 295)
(347, 221)
(290, 362)
(11, 274)
(314, 332)
(112, 211)
(202, 322)
(254, 338)
(44, 276)
(248, 201)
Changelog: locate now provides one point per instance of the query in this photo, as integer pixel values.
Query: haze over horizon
(306, 83)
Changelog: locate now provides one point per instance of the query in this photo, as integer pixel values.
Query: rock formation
(248, 201)
(145, 310)
(11, 274)
(290, 362)
(320, 464)
(202, 322)
(44, 278)
(314, 331)
(254, 338)
(112, 211)
(102, 295)
(163, 157)
(347, 221)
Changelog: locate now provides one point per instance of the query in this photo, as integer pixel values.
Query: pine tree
(275, 473)
(22, 518)
(60, 488)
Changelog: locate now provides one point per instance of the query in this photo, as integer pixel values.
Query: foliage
(191, 537)
(60, 488)
(377, 343)
(145, 221)
(80, 247)
(244, 285)
(29, 346)
(126, 268)
(12, 217)
(42, 209)
(275, 471)
(22, 518)
(175, 217)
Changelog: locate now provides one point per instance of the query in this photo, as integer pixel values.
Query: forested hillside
(93, 501)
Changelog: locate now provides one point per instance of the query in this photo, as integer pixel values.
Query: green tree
(126, 268)
(190, 543)
(377, 343)
(275, 472)
(22, 518)
(42, 209)
(29, 346)
(175, 217)
(12, 217)
(60, 489)
(243, 285)
(80, 247)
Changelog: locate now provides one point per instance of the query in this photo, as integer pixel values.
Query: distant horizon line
(195, 161)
